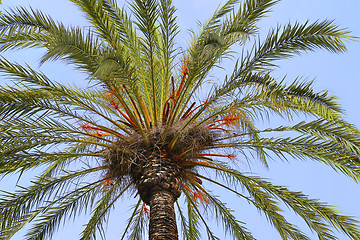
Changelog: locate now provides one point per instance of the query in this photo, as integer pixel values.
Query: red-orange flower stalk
(186, 115)
(166, 111)
(189, 111)
(98, 131)
(197, 163)
(146, 113)
(166, 107)
(202, 163)
(198, 180)
(116, 107)
(201, 196)
(185, 70)
(107, 182)
(133, 103)
(180, 88)
(187, 188)
(197, 193)
(231, 119)
(90, 129)
(205, 158)
(105, 134)
(110, 93)
(230, 156)
(146, 211)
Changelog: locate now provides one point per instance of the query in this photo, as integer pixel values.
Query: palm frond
(24, 28)
(317, 215)
(194, 215)
(132, 217)
(186, 232)
(216, 37)
(101, 211)
(244, 21)
(285, 42)
(137, 226)
(169, 31)
(100, 19)
(142, 125)
(193, 226)
(147, 14)
(55, 212)
(20, 205)
(232, 226)
(270, 207)
(298, 96)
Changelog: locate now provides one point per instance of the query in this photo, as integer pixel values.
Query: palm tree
(143, 129)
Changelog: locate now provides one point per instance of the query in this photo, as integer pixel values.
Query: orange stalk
(217, 128)
(88, 128)
(116, 107)
(110, 135)
(167, 102)
(230, 156)
(133, 102)
(200, 195)
(231, 119)
(173, 86)
(124, 104)
(147, 115)
(187, 187)
(99, 131)
(205, 158)
(146, 211)
(184, 70)
(187, 111)
(202, 163)
(107, 182)
(166, 112)
(188, 114)
(180, 88)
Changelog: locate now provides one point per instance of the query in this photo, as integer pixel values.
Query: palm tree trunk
(162, 216)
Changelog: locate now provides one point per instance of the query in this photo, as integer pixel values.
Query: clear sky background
(339, 74)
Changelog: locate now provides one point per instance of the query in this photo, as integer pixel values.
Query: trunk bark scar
(162, 216)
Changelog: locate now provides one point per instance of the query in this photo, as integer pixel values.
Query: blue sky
(339, 74)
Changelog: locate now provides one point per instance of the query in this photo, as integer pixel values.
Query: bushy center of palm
(163, 152)
(158, 164)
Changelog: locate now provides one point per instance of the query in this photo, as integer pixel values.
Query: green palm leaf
(140, 128)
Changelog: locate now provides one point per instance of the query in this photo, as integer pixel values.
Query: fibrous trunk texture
(157, 173)
(162, 216)
(158, 180)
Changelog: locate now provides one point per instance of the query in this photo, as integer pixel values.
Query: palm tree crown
(142, 129)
